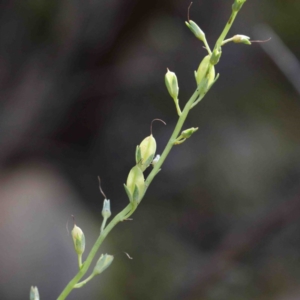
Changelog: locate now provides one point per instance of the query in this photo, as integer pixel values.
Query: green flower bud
(103, 263)
(185, 135)
(188, 132)
(146, 151)
(78, 239)
(34, 293)
(202, 71)
(106, 213)
(243, 39)
(172, 84)
(135, 185)
(195, 29)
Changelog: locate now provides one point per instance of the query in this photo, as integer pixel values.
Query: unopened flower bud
(195, 29)
(243, 39)
(146, 151)
(135, 185)
(202, 71)
(172, 84)
(78, 239)
(188, 132)
(106, 213)
(34, 293)
(103, 263)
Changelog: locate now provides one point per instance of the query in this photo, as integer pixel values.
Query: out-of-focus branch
(281, 55)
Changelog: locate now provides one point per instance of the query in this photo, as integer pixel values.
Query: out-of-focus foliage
(80, 83)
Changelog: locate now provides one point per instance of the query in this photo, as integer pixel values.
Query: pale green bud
(202, 71)
(188, 132)
(135, 185)
(78, 239)
(172, 84)
(106, 213)
(195, 29)
(185, 134)
(34, 293)
(146, 151)
(243, 39)
(103, 263)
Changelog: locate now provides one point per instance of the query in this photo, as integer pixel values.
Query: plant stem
(207, 46)
(79, 260)
(129, 209)
(126, 212)
(225, 30)
(103, 224)
(177, 106)
(82, 283)
(172, 139)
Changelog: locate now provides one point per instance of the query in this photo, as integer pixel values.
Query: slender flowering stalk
(136, 185)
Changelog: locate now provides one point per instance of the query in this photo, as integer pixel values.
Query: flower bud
(135, 185)
(78, 239)
(195, 29)
(34, 293)
(188, 132)
(202, 71)
(172, 84)
(243, 39)
(103, 263)
(146, 151)
(106, 213)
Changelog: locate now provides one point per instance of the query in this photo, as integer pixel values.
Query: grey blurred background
(80, 83)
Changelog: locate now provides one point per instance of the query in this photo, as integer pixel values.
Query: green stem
(82, 283)
(207, 46)
(103, 225)
(172, 139)
(126, 212)
(129, 209)
(225, 30)
(176, 100)
(80, 261)
(227, 41)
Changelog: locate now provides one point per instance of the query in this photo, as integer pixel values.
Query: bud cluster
(144, 156)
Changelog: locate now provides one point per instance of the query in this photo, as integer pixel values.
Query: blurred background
(80, 83)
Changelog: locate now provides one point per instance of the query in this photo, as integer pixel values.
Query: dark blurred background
(80, 83)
